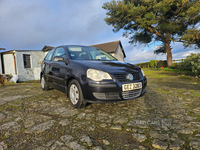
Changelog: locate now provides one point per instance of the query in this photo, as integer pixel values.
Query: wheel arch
(80, 102)
(67, 83)
(41, 73)
(41, 76)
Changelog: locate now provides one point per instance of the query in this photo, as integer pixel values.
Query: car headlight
(97, 75)
(142, 72)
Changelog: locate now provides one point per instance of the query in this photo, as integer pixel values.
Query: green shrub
(191, 63)
(168, 69)
(162, 63)
(152, 63)
(175, 65)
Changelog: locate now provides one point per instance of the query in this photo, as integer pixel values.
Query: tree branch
(151, 29)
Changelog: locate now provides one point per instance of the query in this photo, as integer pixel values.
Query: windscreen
(88, 53)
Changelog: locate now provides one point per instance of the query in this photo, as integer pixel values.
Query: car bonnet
(109, 66)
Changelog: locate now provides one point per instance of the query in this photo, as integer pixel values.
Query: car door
(57, 68)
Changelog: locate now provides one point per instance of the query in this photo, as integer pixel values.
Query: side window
(48, 57)
(27, 61)
(60, 51)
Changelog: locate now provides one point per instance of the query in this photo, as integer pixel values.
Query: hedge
(160, 63)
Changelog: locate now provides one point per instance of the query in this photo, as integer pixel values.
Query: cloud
(33, 24)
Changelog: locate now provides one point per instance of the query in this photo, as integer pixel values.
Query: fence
(177, 60)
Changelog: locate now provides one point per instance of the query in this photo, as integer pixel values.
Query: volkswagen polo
(91, 75)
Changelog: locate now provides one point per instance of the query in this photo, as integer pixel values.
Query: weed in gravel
(14, 108)
(196, 94)
(197, 118)
(185, 77)
(163, 91)
(191, 113)
(160, 76)
(194, 83)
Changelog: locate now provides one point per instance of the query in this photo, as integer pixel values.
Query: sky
(32, 24)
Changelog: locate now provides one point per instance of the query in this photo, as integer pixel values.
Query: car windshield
(88, 53)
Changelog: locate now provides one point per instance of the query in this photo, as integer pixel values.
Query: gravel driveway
(166, 117)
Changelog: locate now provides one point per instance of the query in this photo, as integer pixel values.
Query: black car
(90, 75)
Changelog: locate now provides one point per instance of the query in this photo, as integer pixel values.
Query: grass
(165, 72)
(160, 76)
(186, 72)
(170, 69)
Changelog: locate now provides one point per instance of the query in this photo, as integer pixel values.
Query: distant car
(90, 75)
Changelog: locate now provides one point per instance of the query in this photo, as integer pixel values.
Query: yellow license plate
(131, 86)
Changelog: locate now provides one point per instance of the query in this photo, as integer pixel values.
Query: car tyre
(44, 84)
(75, 94)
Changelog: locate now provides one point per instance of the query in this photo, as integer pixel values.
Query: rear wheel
(75, 94)
(44, 85)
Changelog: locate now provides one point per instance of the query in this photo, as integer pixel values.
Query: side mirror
(58, 58)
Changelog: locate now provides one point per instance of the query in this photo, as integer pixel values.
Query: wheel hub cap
(74, 94)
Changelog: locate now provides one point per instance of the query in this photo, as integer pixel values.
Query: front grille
(107, 95)
(122, 77)
(131, 94)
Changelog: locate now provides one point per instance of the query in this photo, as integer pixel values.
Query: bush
(152, 63)
(161, 63)
(175, 65)
(143, 65)
(191, 63)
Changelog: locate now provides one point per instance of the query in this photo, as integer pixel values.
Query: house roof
(47, 48)
(2, 50)
(5, 51)
(110, 47)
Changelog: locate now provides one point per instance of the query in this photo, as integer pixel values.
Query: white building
(24, 63)
(1, 71)
(0, 65)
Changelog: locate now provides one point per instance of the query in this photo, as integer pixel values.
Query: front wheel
(44, 85)
(75, 94)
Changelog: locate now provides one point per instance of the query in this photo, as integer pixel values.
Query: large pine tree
(146, 21)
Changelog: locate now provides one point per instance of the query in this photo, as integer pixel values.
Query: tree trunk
(169, 54)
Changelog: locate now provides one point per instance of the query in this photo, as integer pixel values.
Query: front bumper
(110, 91)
